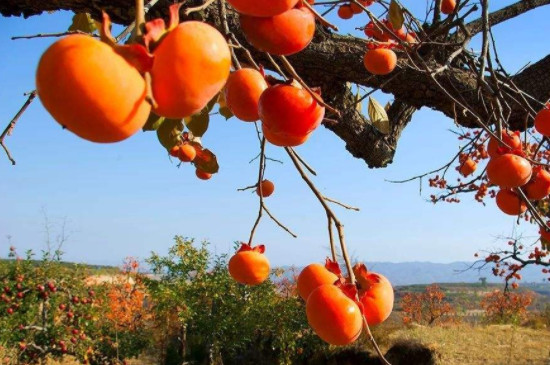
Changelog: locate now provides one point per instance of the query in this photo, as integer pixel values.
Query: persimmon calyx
(156, 29)
(246, 247)
(333, 267)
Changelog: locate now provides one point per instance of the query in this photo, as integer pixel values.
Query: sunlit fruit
(448, 6)
(283, 139)
(242, 93)
(312, 277)
(283, 34)
(467, 167)
(187, 152)
(289, 112)
(380, 61)
(262, 8)
(203, 175)
(375, 293)
(510, 203)
(539, 186)
(334, 316)
(265, 188)
(91, 90)
(345, 11)
(509, 171)
(249, 265)
(191, 66)
(512, 139)
(542, 122)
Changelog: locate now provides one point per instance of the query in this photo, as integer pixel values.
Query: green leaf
(396, 15)
(378, 116)
(206, 161)
(198, 123)
(169, 132)
(153, 122)
(226, 112)
(84, 23)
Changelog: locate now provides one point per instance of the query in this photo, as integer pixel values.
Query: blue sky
(128, 199)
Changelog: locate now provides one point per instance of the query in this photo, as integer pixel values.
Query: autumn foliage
(428, 307)
(506, 306)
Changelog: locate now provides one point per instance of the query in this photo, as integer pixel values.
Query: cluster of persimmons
(336, 309)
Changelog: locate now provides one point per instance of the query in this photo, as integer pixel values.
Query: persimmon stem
(140, 18)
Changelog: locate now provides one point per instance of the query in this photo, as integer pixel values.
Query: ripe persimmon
(242, 93)
(187, 152)
(91, 90)
(542, 122)
(203, 175)
(289, 111)
(174, 151)
(191, 66)
(282, 139)
(267, 188)
(509, 202)
(448, 6)
(345, 11)
(262, 8)
(508, 171)
(380, 61)
(467, 167)
(512, 139)
(356, 9)
(249, 265)
(283, 34)
(333, 315)
(544, 234)
(539, 186)
(313, 276)
(375, 293)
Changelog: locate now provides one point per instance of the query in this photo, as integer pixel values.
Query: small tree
(428, 307)
(506, 306)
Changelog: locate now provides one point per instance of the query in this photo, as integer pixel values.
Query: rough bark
(332, 60)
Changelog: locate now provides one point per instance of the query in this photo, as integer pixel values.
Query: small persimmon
(174, 151)
(191, 66)
(312, 277)
(375, 294)
(242, 93)
(467, 167)
(249, 265)
(203, 175)
(91, 90)
(380, 61)
(262, 8)
(345, 11)
(542, 122)
(508, 171)
(283, 34)
(448, 6)
(512, 139)
(334, 316)
(510, 203)
(187, 152)
(267, 188)
(539, 186)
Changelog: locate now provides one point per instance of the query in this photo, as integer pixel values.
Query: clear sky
(127, 199)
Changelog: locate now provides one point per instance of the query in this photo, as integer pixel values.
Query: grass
(493, 344)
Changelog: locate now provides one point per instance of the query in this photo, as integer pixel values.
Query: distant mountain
(408, 273)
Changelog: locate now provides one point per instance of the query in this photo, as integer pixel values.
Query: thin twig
(11, 125)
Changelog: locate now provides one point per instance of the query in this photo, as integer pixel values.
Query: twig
(322, 20)
(303, 162)
(198, 8)
(46, 35)
(341, 204)
(13, 122)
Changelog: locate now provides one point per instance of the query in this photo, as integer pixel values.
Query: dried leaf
(84, 23)
(395, 15)
(206, 161)
(378, 116)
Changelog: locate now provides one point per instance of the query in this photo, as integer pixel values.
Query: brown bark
(332, 60)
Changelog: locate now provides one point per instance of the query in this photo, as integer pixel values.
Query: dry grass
(488, 345)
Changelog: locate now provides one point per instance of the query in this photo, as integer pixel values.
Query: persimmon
(356, 9)
(542, 122)
(375, 294)
(191, 66)
(91, 90)
(333, 315)
(203, 175)
(512, 139)
(174, 151)
(187, 152)
(282, 139)
(313, 276)
(380, 61)
(510, 203)
(539, 186)
(467, 167)
(242, 93)
(289, 111)
(283, 34)
(377, 31)
(267, 188)
(262, 8)
(544, 234)
(448, 6)
(345, 11)
(249, 265)
(508, 171)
